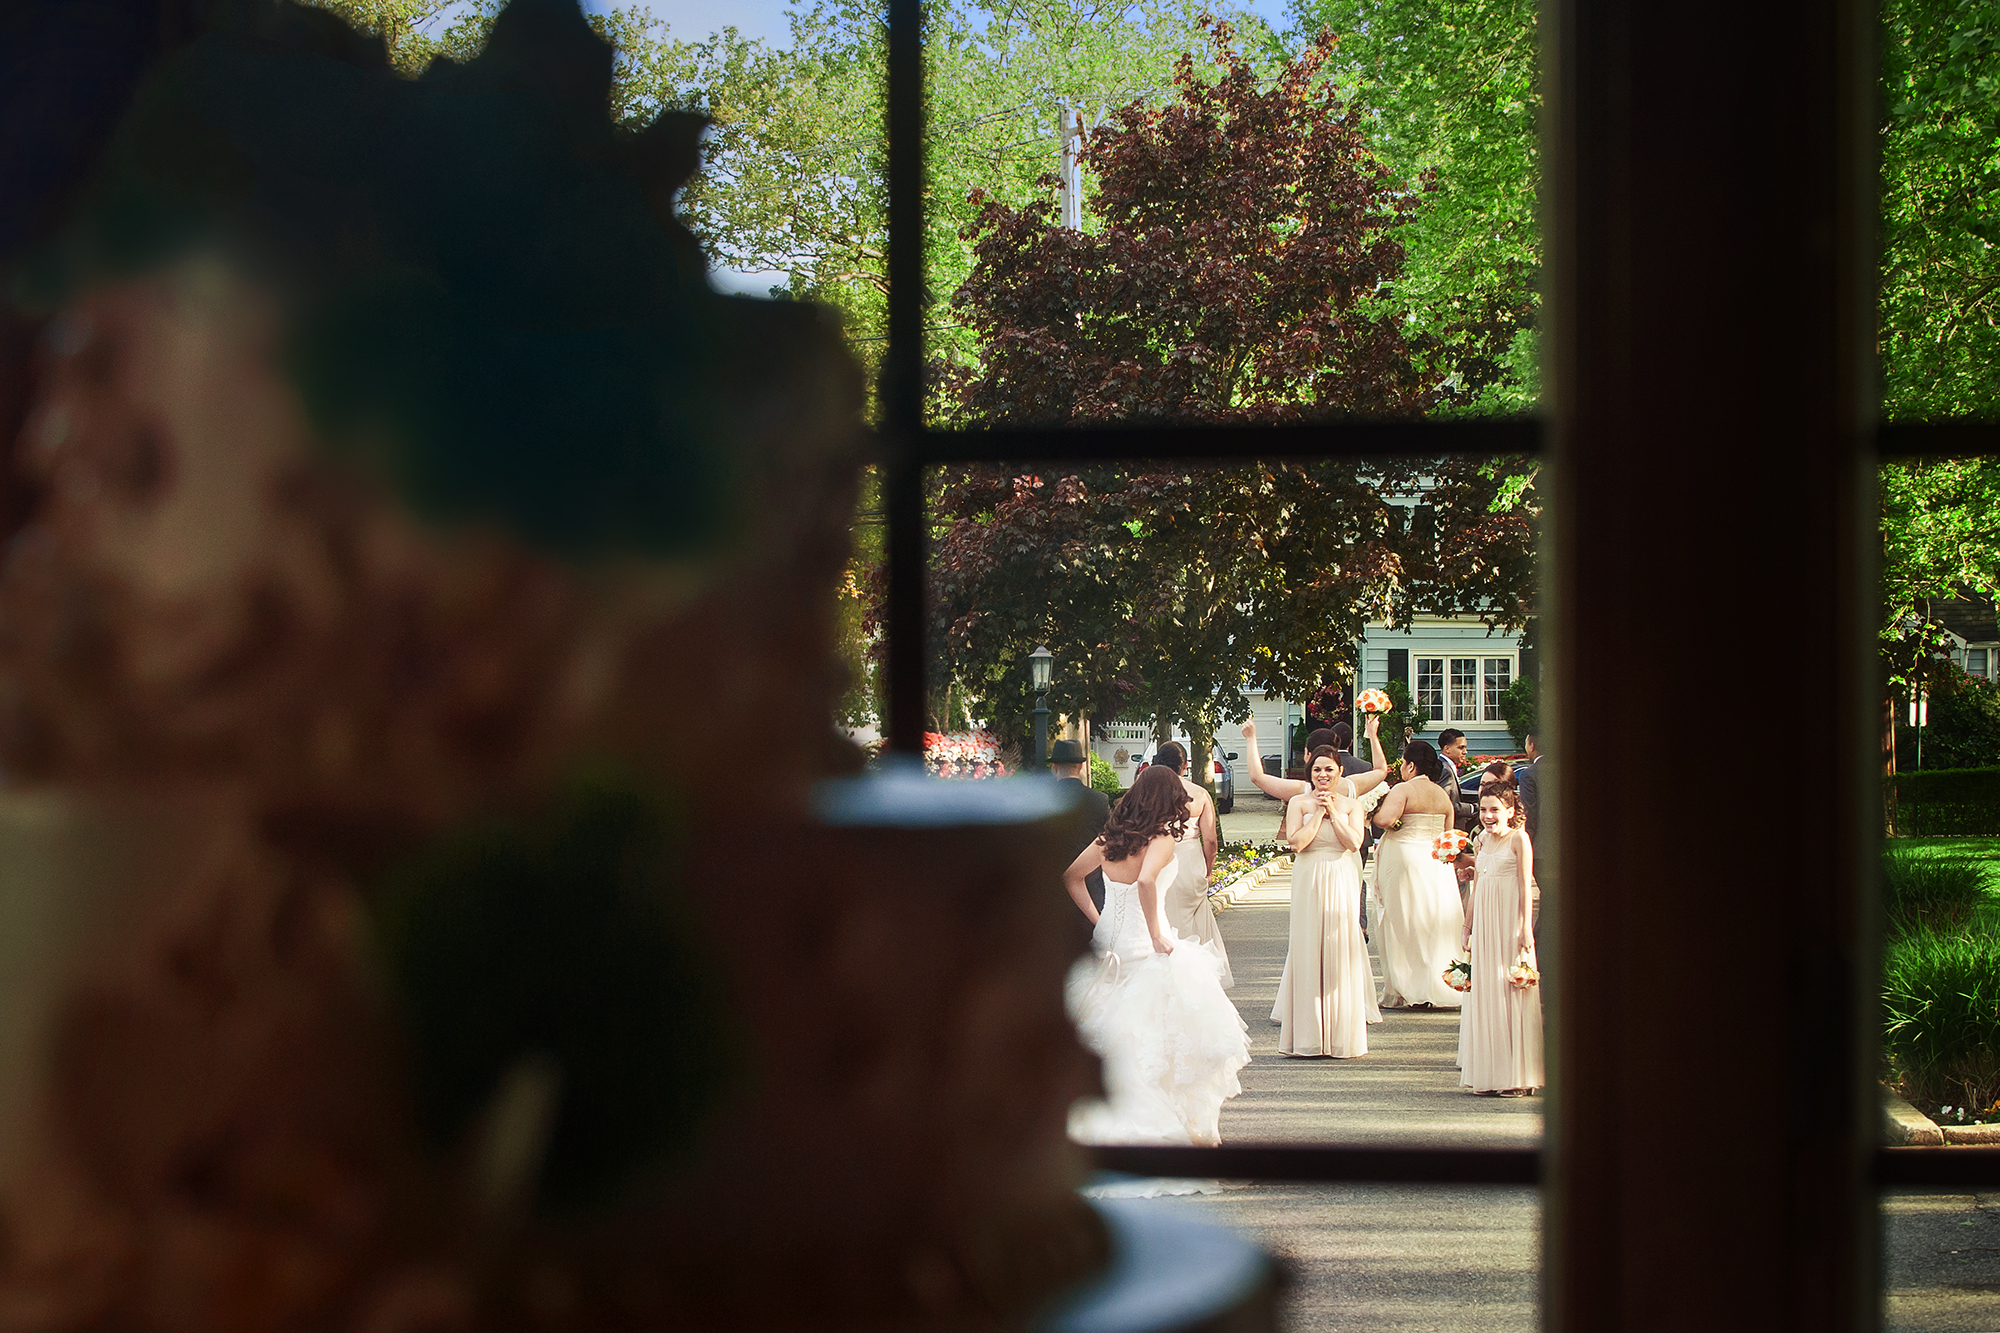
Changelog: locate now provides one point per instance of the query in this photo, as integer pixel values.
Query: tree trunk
(1889, 765)
(1199, 768)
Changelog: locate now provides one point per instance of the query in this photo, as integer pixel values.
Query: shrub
(1937, 893)
(1103, 777)
(1964, 730)
(1941, 1003)
(1520, 706)
(1956, 802)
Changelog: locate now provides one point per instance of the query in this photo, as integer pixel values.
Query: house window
(1976, 663)
(1497, 674)
(1430, 685)
(1464, 689)
(1474, 690)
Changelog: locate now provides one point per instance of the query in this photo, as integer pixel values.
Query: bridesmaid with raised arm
(1500, 1028)
(1331, 1000)
(1422, 914)
(1284, 789)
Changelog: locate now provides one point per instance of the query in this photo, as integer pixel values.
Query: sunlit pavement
(1941, 1256)
(1388, 1257)
(1377, 1257)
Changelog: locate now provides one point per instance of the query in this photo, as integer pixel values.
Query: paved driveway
(1389, 1258)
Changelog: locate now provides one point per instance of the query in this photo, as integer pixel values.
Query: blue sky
(766, 18)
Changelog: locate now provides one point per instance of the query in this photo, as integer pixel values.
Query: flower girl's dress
(1423, 918)
(1500, 1029)
(1170, 1040)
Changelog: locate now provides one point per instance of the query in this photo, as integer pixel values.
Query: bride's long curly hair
(1156, 804)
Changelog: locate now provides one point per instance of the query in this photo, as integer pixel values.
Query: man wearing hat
(1070, 764)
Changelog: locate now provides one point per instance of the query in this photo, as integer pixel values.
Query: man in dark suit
(1451, 749)
(1529, 781)
(1069, 763)
(1343, 741)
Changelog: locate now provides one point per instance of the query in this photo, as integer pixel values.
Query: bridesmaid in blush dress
(1187, 907)
(1422, 914)
(1330, 1002)
(1500, 1028)
(1284, 789)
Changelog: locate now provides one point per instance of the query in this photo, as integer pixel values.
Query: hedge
(1948, 802)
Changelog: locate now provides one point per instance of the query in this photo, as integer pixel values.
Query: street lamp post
(1041, 664)
(1920, 716)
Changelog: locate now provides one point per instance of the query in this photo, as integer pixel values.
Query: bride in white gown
(1422, 916)
(1148, 1001)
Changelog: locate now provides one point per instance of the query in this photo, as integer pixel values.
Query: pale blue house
(1455, 670)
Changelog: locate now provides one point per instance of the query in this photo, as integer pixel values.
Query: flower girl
(1500, 1025)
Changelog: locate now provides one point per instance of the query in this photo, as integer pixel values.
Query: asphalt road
(1391, 1259)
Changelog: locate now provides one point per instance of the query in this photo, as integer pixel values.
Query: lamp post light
(1920, 716)
(1041, 664)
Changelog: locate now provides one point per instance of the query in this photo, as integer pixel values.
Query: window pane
(1941, 1260)
(1181, 602)
(1430, 685)
(1940, 136)
(1464, 689)
(1499, 674)
(1941, 873)
(1349, 229)
(1393, 1258)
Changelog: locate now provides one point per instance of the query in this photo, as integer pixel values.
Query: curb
(1903, 1125)
(1971, 1133)
(1224, 896)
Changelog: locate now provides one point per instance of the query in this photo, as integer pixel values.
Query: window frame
(908, 445)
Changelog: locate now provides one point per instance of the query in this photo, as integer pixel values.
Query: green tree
(1242, 266)
(1454, 94)
(1940, 334)
(1940, 540)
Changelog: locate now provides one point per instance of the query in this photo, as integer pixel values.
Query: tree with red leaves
(1242, 271)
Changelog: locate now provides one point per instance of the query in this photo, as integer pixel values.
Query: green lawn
(1983, 850)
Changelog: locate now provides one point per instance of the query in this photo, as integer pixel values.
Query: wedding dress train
(1170, 1040)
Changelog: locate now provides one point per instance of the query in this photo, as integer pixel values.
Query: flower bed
(1241, 866)
(963, 754)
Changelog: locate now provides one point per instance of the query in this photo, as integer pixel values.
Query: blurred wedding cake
(402, 534)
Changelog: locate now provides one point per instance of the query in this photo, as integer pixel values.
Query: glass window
(1430, 685)
(1464, 689)
(1495, 678)
(1975, 663)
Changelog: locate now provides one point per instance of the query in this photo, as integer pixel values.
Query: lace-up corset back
(1121, 927)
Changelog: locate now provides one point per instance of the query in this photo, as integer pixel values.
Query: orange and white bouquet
(1459, 975)
(1523, 974)
(1373, 701)
(1450, 845)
